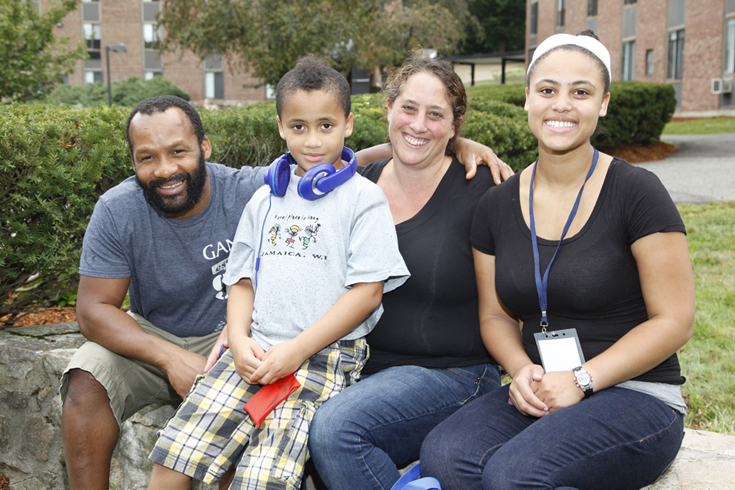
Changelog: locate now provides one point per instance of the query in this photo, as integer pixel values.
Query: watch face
(583, 378)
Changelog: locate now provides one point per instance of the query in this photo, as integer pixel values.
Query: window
(629, 2)
(92, 76)
(152, 60)
(730, 47)
(628, 60)
(151, 36)
(675, 62)
(533, 21)
(88, 1)
(591, 8)
(214, 78)
(214, 85)
(150, 74)
(649, 62)
(270, 91)
(93, 36)
(560, 11)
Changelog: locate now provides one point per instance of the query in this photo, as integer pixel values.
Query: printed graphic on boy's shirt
(274, 233)
(293, 231)
(310, 235)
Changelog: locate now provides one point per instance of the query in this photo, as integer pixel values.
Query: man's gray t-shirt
(175, 266)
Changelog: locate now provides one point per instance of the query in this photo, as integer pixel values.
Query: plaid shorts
(211, 431)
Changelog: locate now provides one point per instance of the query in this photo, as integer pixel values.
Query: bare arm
(469, 153)
(501, 335)
(102, 321)
(374, 153)
(246, 351)
(343, 317)
(667, 281)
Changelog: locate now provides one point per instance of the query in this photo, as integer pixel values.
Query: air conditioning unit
(716, 86)
(721, 86)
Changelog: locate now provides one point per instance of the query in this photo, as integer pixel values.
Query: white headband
(589, 43)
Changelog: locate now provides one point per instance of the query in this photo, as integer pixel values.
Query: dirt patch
(677, 119)
(46, 316)
(637, 154)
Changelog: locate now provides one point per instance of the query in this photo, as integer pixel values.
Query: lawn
(708, 359)
(701, 126)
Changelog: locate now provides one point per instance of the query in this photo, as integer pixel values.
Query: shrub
(244, 135)
(637, 114)
(128, 92)
(53, 166)
(55, 162)
(504, 128)
(511, 93)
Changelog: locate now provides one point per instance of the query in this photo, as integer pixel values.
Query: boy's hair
(311, 74)
(161, 103)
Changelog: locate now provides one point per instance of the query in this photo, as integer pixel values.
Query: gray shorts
(131, 384)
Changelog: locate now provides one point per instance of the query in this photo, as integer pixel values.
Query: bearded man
(164, 236)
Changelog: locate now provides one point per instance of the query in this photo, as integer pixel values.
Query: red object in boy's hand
(269, 397)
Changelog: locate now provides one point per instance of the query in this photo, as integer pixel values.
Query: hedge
(637, 113)
(56, 161)
(129, 92)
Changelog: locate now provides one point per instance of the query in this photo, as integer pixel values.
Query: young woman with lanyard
(588, 254)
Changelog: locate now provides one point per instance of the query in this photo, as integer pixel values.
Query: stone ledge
(33, 358)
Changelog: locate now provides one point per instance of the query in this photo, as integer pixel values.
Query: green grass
(708, 359)
(701, 126)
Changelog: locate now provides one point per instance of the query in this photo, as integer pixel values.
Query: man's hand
(522, 391)
(248, 355)
(471, 154)
(279, 361)
(183, 368)
(217, 349)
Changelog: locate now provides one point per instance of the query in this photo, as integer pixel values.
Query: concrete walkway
(702, 170)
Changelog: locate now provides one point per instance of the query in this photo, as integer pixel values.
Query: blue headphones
(316, 182)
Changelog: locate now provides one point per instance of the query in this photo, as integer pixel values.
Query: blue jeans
(617, 439)
(358, 437)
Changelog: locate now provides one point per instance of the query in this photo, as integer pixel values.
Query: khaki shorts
(131, 384)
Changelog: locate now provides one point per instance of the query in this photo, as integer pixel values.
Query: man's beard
(193, 183)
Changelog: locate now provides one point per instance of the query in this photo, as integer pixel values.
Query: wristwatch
(583, 380)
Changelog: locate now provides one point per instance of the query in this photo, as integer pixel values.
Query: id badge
(560, 350)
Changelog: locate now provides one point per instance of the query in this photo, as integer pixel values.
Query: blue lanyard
(542, 285)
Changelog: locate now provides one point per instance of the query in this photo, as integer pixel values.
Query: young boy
(307, 278)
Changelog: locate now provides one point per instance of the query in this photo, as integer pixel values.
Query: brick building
(687, 43)
(104, 23)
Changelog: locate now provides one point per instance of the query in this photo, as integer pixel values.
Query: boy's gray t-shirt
(313, 252)
(175, 266)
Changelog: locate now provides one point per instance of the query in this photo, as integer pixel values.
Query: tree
(267, 37)
(503, 26)
(33, 59)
